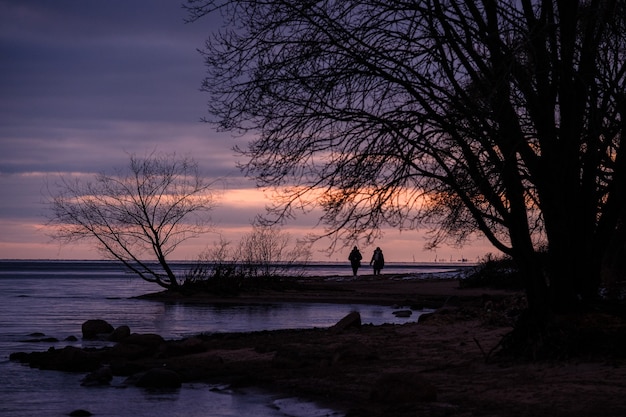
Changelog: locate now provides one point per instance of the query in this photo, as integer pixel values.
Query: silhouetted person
(355, 260)
(378, 261)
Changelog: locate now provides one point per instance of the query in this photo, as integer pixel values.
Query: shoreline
(392, 289)
(440, 366)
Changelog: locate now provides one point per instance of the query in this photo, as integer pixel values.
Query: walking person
(378, 261)
(355, 260)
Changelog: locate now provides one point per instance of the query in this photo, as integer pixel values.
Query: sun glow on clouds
(250, 197)
(27, 238)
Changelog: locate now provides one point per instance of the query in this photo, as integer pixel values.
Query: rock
(159, 378)
(403, 387)
(137, 346)
(49, 340)
(38, 337)
(94, 329)
(22, 357)
(441, 316)
(120, 333)
(129, 351)
(149, 340)
(183, 347)
(76, 360)
(41, 340)
(80, 413)
(123, 367)
(101, 376)
(70, 359)
(402, 313)
(353, 319)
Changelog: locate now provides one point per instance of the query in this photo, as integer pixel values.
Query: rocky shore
(444, 365)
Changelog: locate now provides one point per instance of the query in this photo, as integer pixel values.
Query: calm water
(55, 298)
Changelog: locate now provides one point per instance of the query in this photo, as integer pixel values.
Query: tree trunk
(536, 286)
(574, 254)
(573, 276)
(172, 280)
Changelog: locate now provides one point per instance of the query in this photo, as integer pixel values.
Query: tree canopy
(500, 117)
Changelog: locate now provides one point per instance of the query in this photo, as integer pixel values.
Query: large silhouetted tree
(137, 216)
(498, 116)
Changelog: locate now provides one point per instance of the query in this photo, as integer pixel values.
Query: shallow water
(55, 299)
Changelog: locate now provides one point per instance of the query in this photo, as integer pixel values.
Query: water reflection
(57, 307)
(180, 320)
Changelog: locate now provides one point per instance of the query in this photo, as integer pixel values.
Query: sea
(43, 303)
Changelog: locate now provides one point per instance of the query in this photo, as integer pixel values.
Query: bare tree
(500, 117)
(136, 216)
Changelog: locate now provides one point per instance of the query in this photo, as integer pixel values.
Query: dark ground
(447, 365)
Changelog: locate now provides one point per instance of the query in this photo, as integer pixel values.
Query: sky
(85, 83)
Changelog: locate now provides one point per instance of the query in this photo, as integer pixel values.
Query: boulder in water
(159, 378)
(95, 329)
(80, 413)
(148, 340)
(101, 376)
(120, 333)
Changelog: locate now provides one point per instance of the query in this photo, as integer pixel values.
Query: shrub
(262, 259)
(494, 272)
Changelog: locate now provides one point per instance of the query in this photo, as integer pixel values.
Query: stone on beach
(353, 319)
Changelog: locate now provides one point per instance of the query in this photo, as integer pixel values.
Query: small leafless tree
(137, 216)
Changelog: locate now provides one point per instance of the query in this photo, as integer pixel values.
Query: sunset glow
(82, 93)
